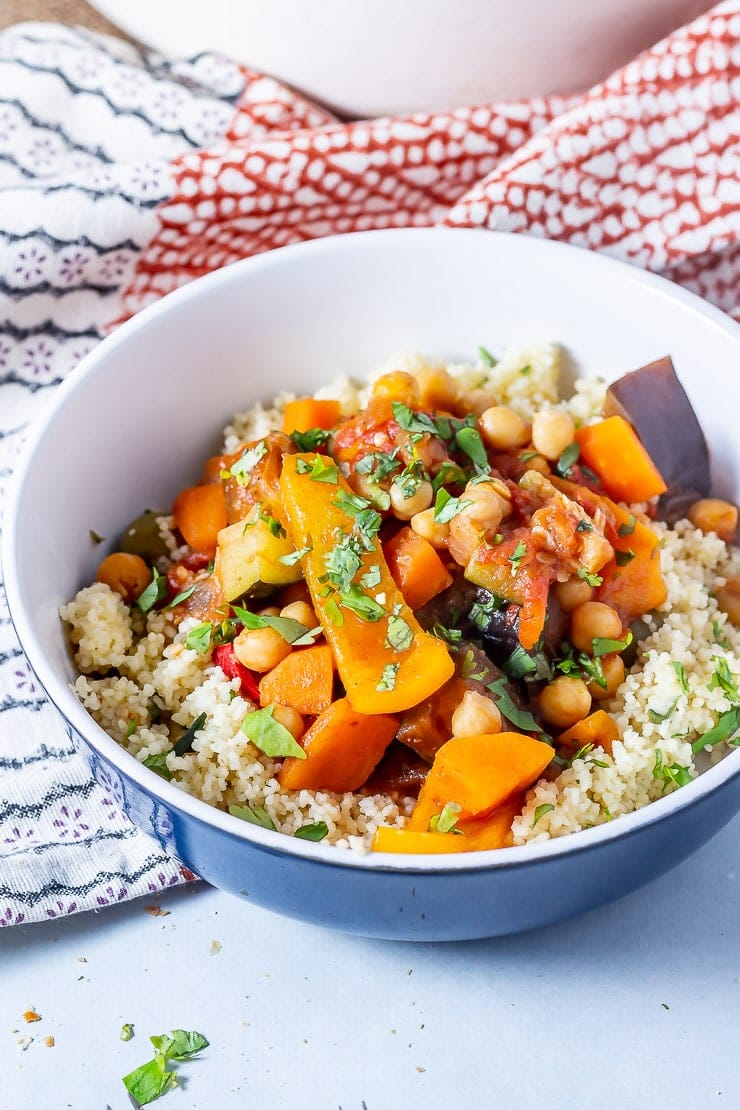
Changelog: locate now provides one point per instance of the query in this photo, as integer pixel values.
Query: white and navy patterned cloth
(123, 175)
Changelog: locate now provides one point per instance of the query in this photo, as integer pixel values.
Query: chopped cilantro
(321, 470)
(359, 603)
(246, 463)
(378, 465)
(602, 645)
(254, 815)
(446, 820)
(178, 598)
(446, 507)
(367, 519)
(470, 443)
(199, 638)
(399, 636)
(681, 676)
(371, 578)
(519, 552)
(343, 562)
(310, 439)
(519, 663)
(294, 556)
(334, 613)
(449, 473)
(154, 592)
(451, 635)
(725, 728)
(152, 1080)
(624, 557)
(657, 717)
(471, 669)
(673, 773)
(584, 526)
(158, 764)
(485, 356)
(521, 718)
(272, 523)
(564, 465)
(724, 679)
(292, 631)
(412, 421)
(628, 527)
(587, 576)
(319, 830)
(540, 811)
(270, 736)
(482, 609)
(388, 677)
(185, 743)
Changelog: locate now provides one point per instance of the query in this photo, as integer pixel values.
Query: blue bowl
(132, 424)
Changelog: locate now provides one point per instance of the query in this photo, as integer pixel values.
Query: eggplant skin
(655, 403)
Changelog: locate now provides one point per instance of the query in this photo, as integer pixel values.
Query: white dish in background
(377, 57)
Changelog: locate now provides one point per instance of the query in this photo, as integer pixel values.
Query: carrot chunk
(342, 747)
(200, 514)
(612, 449)
(598, 729)
(307, 412)
(416, 567)
(303, 680)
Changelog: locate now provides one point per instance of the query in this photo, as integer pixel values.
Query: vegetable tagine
(432, 599)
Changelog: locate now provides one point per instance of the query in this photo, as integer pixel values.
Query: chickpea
(477, 522)
(710, 514)
(406, 507)
(612, 667)
(594, 620)
(437, 388)
(552, 432)
(127, 574)
(398, 386)
(260, 649)
(475, 715)
(574, 592)
(289, 718)
(502, 428)
(728, 599)
(301, 612)
(429, 529)
(564, 701)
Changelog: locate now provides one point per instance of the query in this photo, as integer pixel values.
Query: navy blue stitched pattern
(65, 843)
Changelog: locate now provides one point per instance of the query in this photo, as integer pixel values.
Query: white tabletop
(634, 1005)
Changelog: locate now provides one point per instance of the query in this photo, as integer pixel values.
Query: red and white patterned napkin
(124, 175)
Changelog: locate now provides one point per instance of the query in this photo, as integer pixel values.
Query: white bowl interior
(136, 420)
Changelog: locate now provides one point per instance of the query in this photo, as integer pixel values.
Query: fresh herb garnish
(359, 603)
(482, 610)
(96, 537)
(199, 638)
(540, 811)
(378, 465)
(584, 526)
(131, 727)
(446, 821)
(446, 507)
(294, 557)
(245, 464)
(319, 830)
(152, 1080)
(519, 552)
(726, 727)
(254, 815)
(519, 717)
(519, 663)
(292, 631)
(367, 519)
(343, 562)
(724, 679)
(154, 592)
(178, 598)
(412, 421)
(388, 677)
(602, 645)
(451, 635)
(270, 736)
(587, 576)
(310, 439)
(185, 743)
(371, 578)
(470, 667)
(657, 717)
(673, 773)
(628, 527)
(399, 636)
(127, 1031)
(158, 763)
(681, 676)
(449, 473)
(719, 639)
(321, 470)
(485, 356)
(624, 557)
(470, 443)
(564, 465)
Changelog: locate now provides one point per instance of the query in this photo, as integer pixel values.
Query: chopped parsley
(270, 736)
(657, 717)
(449, 473)
(158, 764)
(671, 773)
(388, 677)
(364, 607)
(624, 557)
(485, 356)
(131, 727)
(584, 526)
(367, 519)
(343, 562)
(154, 592)
(185, 743)
(521, 718)
(254, 815)
(178, 598)
(602, 645)
(446, 821)
(294, 556)
(724, 679)
(483, 608)
(378, 465)
(725, 729)
(319, 830)
(719, 639)
(292, 631)
(412, 421)
(152, 1080)
(96, 537)
(470, 667)
(470, 443)
(564, 465)
(681, 676)
(371, 578)
(199, 638)
(321, 470)
(628, 527)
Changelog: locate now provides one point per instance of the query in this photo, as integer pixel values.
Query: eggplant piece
(655, 403)
(401, 772)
